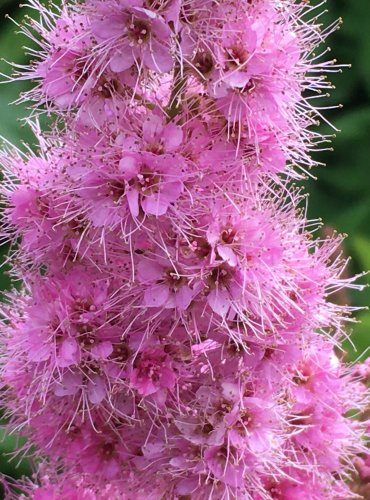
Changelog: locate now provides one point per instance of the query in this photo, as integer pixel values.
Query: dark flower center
(121, 352)
(107, 450)
(269, 351)
(156, 148)
(80, 70)
(201, 247)
(107, 88)
(203, 62)
(220, 277)
(207, 428)
(77, 225)
(43, 205)
(238, 55)
(173, 279)
(301, 419)
(249, 87)
(138, 31)
(86, 337)
(188, 15)
(157, 5)
(117, 189)
(148, 182)
(228, 235)
(83, 305)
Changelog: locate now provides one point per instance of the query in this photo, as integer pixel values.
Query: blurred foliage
(341, 193)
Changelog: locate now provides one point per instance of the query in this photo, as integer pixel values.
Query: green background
(341, 193)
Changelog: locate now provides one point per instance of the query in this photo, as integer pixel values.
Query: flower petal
(156, 296)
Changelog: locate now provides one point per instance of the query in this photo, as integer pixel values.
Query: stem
(144, 102)
(178, 91)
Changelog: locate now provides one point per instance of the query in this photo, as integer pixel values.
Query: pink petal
(231, 391)
(102, 349)
(159, 58)
(172, 137)
(100, 294)
(219, 302)
(69, 385)
(129, 167)
(258, 442)
(171, 190)
(39, 353)
(156, 296)
(186, 486)
(183, 297)
(168, 378)
(149, 271)
(227, 254)
(213, 234)
(109, 27)
(68, 353)
(122, 60)
(152, 128)
(147, 13)
(96, 390)
(155, 205)
(133, 201)
(162, 33)
(238, 79)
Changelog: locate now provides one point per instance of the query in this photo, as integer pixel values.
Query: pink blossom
(164, 285)
(139, 35)
(170, 333)
(153, 183)
(152, 372)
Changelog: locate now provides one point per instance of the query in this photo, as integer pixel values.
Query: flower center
(83, 305)
(108, 88)
(117, 189)
(207, 428)
(121, 353)
(173, 280)
(220, 277)
(188, 14)
(79, 69)
(148, 182)
(138, 31)
(201, 247)
(157, 5)
(249, 88)
(238, 55)
(228, 235)
(107, 451)
(86, 337)
(77, 225)
(203, 62)
(156, 148)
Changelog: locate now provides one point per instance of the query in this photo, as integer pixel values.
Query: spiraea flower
(174, 335)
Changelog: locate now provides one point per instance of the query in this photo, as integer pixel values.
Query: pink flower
(153, 183)
(158, 137)
(224, 286)
(139, 36)
(64, 73)
(224, 465)
(165, 286)
(171, 333)
(152, 372)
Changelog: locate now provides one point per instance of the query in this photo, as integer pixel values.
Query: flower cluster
(174, 335)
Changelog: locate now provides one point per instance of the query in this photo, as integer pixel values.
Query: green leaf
(358, 346)
(12, 465)
(13, 51)
(361, 246)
